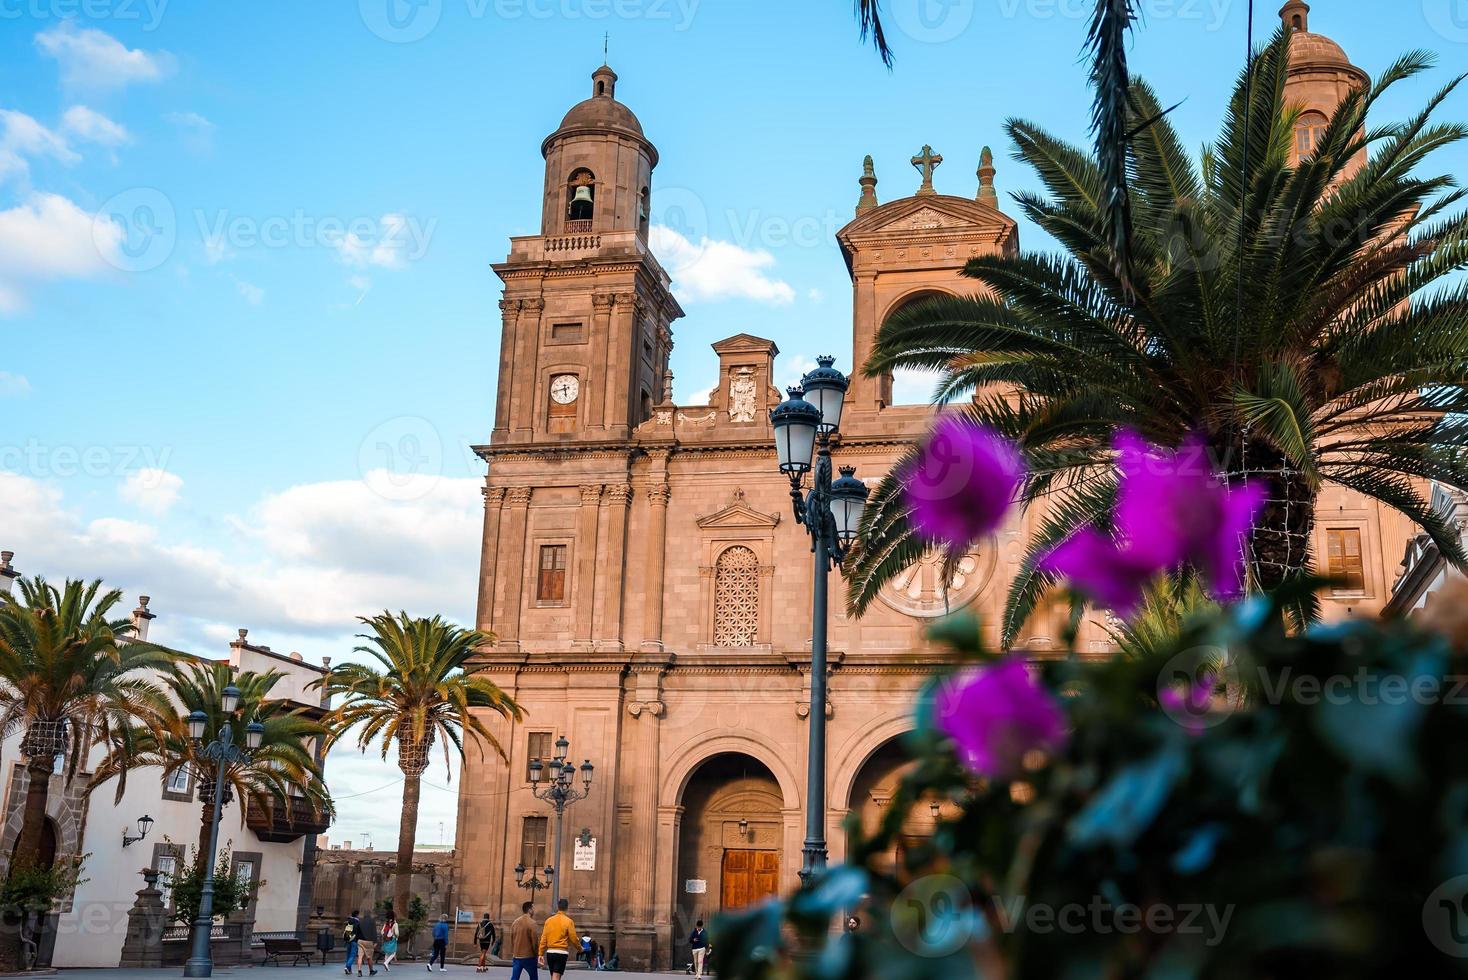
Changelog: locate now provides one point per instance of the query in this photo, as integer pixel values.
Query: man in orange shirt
(557, 939)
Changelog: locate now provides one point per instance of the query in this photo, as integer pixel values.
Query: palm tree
(282, 772)
(423, 689)
(68, 677)
(1285, 310)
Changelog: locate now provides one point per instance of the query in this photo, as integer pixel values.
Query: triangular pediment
(738, 515)
(745, 342)
(939, 212)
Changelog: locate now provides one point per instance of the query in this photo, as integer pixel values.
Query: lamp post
(560, 792)
(221, 751)
(535, 883)
(830, 512)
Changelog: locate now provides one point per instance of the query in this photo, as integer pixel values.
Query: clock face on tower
(564, 389)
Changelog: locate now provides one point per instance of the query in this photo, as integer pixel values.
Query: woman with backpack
(389, 948)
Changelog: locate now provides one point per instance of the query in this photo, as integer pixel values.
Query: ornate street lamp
(535, 882)
(831, 513)
(560, 792)
(222, 752)
(145, 824)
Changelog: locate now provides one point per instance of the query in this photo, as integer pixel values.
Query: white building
(1424, 570)
(91, 927)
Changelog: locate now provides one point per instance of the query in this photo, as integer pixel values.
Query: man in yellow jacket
(557, 939)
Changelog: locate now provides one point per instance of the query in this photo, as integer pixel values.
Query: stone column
(527, 359)
(509, 311)
(596, 406)
(628, 352)
(613, 562)
(637, 857)
(489, 556)
(586, 544)
(143, 947)
(658, 496)
(866, 394)
(510, 579)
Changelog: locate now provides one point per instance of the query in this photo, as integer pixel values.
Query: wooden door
(748, 878)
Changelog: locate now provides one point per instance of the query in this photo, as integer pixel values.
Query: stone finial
(142, 616)
(667, 388)
(868, 186)
(1296, 15)
(986, 179)
(8, 573)
(243, 634)
(925, 163)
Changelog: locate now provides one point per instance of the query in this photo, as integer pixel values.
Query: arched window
(580, 200)
(644, 211)
(736, 598)
(1309, 131)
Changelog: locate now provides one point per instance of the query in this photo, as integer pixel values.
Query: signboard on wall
(463, 916)
(584, 858)
(696, 886)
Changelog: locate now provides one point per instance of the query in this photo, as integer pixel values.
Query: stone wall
(362, 879)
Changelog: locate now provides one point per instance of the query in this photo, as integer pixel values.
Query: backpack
(350, 932)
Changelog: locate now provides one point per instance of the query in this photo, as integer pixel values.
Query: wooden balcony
(286, 822)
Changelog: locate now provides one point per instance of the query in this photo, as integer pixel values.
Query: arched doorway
(872, 793)
(730, 847)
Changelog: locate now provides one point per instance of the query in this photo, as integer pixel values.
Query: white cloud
(196, 131)
(305, 563)
(48, 238)
(312, 558)
(151, 489)
(913, 387)
(793, 369)
(252, 293)
(93, 127)
(14, 385)
(22, 137)
(712, 270)
(815, 295)
(93, 59)
(387, 251)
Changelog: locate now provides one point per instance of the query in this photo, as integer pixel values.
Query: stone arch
(688, 757)
(859, 751)
(913, 295)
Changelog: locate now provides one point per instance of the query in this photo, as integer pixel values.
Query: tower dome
(598, 166)
(601, 113)
(1311, 51)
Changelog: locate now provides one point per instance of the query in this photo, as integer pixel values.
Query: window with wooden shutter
(532, 842)
(551, 586)
(1343, 559)
(537, 746)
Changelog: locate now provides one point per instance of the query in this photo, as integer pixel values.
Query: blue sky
(251, 396)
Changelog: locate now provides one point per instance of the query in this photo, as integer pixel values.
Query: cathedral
(649, 590)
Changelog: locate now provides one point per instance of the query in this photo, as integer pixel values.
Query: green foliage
(1303, 316)
(232, 891)
(420, 691)
(410, 925)
(1309, 814)
(29, 889)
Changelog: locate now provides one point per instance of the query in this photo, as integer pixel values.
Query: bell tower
(587, 310)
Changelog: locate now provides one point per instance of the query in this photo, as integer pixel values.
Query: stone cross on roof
(926, 162)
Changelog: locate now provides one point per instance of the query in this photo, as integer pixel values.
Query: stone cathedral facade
(648, 587)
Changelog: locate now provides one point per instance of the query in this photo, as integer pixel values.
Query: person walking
(350, 932)
(698, 944)
(557, 939)
(367, 945)
(389, 937)
(522, 944)
(440, 944)
(484, 936)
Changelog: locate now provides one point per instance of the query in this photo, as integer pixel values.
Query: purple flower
(996, 714)
(1170, 508)
(963, 483)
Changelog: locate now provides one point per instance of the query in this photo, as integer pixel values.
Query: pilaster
(489, 557)
(513, 567)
